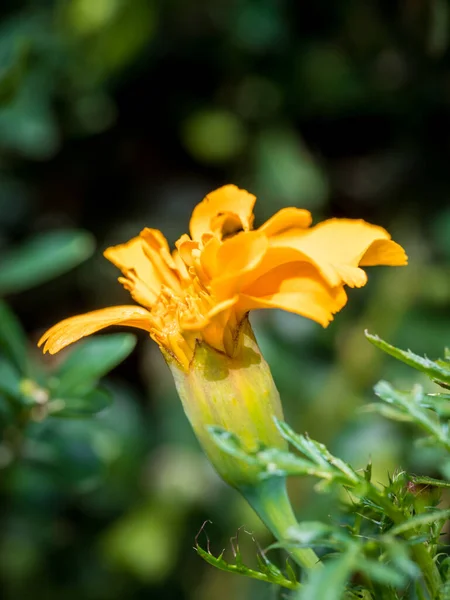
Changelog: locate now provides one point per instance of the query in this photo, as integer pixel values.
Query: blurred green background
(115, 115)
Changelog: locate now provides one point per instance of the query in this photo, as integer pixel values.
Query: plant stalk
(270, 501)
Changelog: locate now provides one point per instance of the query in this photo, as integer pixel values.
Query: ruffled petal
(298, 288)
(237, 259)
(286, 219)
(223, 212)
(141, 277)
(73, 329)
(338, 246)
(157, 250)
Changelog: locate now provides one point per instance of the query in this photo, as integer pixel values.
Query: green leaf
(308, 532)
(414, 403)
(43, 257)
(420, 521)
(12, 337)
(90, 361)
(423, 480)
(79, 407)
(388, 412)
(268, 571)
(439, 370)
(9, 380)
(381, 573)
(329, 583)
(398, 556)
(316, 451)
(440, 403)
(11, 77)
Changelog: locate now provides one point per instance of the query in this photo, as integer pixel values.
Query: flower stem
(271, 503)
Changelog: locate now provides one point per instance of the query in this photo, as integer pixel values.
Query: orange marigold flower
(205, 287)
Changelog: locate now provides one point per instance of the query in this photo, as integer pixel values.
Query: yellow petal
(285, 219)
(187, 249)
(223, 212)
(298, 288)
(384, 252)
(141, 277)
(156, 249)
(73, 329)
(236, 260)
(180, 265)
(338, 246)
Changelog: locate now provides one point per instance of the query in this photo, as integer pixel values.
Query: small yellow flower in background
(194, 303)
(202, 290)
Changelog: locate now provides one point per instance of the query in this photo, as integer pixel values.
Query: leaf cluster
(388, 541)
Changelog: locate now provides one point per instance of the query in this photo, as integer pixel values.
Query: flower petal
(236, 260)
(338, 246)
(223, 212)
(73, 329)
(298, 288)
(285, 219)
(141, 277)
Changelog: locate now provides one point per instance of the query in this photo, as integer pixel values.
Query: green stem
(429, 569)
(270, 501)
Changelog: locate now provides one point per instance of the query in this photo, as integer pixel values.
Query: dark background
(115, 115)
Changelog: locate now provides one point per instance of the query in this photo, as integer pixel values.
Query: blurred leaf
(438, 27)
(12, 337)
(9, 380)
(438, 370)
(308, 532)
(381, 573)
(11, 75)
(43, 257)
(214, 135)
(28, 125)
(329, 583)
(285, 170)
(258, 24)
(90, 361)
(388, 412)
(110, 33)
(145, 541)
(83, 406)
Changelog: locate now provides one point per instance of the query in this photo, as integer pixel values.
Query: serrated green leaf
(316, 451)
(302, 443)
(43, 257)
(268, 575)
(80, 407)
(435, 370)
(412, 403)
(231, 444)
(423, 480)
(420, 521)
(90, 361)
(12, 337)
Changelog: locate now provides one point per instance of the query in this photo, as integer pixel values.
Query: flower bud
(236, 393)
